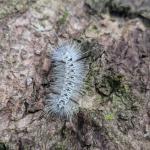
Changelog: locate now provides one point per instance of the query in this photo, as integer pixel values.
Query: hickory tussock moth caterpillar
(68, 72)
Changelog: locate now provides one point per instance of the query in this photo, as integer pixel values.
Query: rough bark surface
(115, 111)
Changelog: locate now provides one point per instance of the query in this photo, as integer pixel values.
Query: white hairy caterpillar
(68, 72)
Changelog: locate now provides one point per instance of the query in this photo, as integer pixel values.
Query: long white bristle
(68, 74)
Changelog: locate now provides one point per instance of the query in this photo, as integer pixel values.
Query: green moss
(117, 103)
(98, 98)
(63, 18)
(109, 117)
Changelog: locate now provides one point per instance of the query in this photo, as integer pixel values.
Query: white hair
(68, 72)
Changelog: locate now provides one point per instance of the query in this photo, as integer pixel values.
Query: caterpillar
(67, 75)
